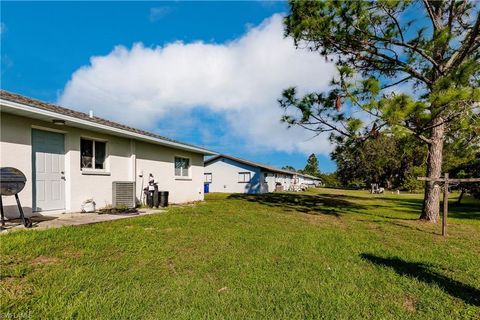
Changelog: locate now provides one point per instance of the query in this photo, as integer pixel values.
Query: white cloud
(240, 81)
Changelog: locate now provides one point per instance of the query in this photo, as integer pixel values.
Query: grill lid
(11, 175)
(12, 181)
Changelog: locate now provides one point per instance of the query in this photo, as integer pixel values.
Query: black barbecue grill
(12, 181)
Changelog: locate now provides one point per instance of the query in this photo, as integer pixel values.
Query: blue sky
(204, 68)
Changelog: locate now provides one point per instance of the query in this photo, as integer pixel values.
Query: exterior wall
(80, 185)
(309, 181)
(305, 180)
(270, 180)
(225, 177)
(126, 159)
(159, 161)
(16, 151)
(285, 179)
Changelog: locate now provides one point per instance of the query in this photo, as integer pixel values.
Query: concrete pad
(58, 220)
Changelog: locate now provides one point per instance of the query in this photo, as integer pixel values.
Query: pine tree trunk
(431, 200)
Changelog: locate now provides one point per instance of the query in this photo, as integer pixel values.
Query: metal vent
(124, 194)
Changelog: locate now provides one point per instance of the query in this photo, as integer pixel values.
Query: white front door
(48, 157)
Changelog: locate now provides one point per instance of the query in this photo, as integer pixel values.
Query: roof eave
(250, 163)
(97, 126)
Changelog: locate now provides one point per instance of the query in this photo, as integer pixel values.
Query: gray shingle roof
(13, 97)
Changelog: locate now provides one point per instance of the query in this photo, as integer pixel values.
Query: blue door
(48, 163)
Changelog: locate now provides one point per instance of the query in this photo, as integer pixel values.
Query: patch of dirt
(44, 260)
(409, 304)
(171, 266)
(72, 253)
(16, 288)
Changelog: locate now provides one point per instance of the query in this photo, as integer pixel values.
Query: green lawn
(321, 254)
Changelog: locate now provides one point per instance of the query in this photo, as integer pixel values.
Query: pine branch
(395, 21)
(450, 14)
(401, 44)
(469, 44)
(406, 67)
(396, 83)
(435, 23)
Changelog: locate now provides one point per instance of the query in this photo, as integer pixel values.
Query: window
(100, 154)
(244, 177)
(208, 177)
(93, 154)
(182, 166)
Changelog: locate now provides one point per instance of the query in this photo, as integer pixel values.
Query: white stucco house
(224, 173)
(69, 156)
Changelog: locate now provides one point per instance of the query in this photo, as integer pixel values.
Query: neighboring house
(225, 173)
(69, 157)
(309, 180)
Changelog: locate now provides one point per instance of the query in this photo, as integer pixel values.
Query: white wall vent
(124, 194)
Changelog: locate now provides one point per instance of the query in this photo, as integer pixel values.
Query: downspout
(133, 165)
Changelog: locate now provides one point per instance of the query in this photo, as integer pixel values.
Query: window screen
(182, 166)
(100, 152)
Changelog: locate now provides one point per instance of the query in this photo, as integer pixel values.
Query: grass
(321, 254)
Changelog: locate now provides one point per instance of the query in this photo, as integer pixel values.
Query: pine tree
(311, 167)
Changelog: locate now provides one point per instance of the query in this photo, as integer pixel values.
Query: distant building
(229, 174)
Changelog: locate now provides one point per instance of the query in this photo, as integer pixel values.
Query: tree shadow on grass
(421, 271)
(344, 196)
(391, 216)
(305, 203)
(402, 224)
(466, 210)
